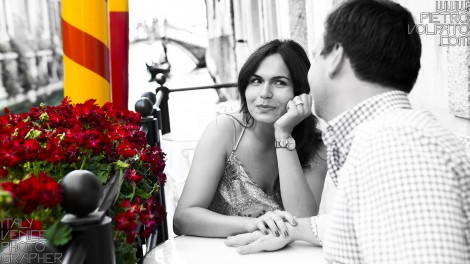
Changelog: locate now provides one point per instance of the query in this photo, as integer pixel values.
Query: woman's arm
(300, 189)
(192, 216)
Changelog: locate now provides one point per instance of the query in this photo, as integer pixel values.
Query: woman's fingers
(264, 243)
(303, 104)
(298, 108)
(281, 225)
(242, 239)
(291, 106)
(261, 226)
(299, 104)
(307, 103)
(287, 217)
(275, 223)
(272, 226)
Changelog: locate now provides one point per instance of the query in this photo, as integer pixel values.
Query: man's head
(378, 38)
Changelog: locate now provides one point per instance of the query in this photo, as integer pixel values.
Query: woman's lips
(265, 107)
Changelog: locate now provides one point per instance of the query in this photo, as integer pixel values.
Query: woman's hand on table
(274, 221)
(256, 242)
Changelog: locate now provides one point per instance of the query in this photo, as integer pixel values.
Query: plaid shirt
(403, 186)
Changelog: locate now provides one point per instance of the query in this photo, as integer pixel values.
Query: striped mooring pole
(86, 50)
(119, 40)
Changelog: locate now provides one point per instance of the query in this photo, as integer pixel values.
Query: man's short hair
(379, 39)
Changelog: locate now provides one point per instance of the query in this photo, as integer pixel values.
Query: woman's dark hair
(305, 133)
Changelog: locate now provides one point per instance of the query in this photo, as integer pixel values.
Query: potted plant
(40, 147)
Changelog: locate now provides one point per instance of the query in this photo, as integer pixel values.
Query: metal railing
(155, 122)
(156, 105)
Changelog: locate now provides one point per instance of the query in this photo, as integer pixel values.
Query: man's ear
(336, 60)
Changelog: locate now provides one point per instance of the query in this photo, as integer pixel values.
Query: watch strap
(282, 143)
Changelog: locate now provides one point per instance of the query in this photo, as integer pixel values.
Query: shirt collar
(339, 135)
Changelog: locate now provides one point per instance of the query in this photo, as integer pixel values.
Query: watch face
(290, 144)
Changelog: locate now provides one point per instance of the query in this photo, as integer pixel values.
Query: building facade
(30, 50)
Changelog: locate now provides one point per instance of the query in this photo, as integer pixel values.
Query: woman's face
(269, 90)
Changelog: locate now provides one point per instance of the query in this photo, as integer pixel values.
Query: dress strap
(234, 130)
(240, 138)
(235, 141)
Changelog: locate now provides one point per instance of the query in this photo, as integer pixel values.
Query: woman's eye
(255, 81)
(280, 83)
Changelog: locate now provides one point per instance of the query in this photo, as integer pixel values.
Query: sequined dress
(238, 194)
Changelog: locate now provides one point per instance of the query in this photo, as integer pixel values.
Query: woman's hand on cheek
(297, 110)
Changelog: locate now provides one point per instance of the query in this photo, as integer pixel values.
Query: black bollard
(92, 233)
(148, 123)
(163, 107)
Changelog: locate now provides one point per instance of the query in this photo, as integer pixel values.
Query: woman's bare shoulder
(222, 130)
(225, 123)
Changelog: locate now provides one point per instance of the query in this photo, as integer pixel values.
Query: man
(403, 181)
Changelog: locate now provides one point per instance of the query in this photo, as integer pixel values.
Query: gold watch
(288, 143)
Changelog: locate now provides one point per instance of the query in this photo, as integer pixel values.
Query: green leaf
(141, 193)
(59, 234)
(103, 176)
(5, 197)
(122, 165)
(44, 117)
(33, 134)
(125, 252)
(131, 195)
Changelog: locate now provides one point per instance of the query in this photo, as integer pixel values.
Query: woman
(246, 167)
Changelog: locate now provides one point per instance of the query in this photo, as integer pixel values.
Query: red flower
(8, 158)
(29, 149)
(54, 153)
(126, 221)
(133, 176)
(3, 172)
(154, 159)
(31, 224)
(34, 192)
(151, 215)
(125, 150)
(161, 177)
(131, 237)
(94, 140)
(126, 204)
(8, 186)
